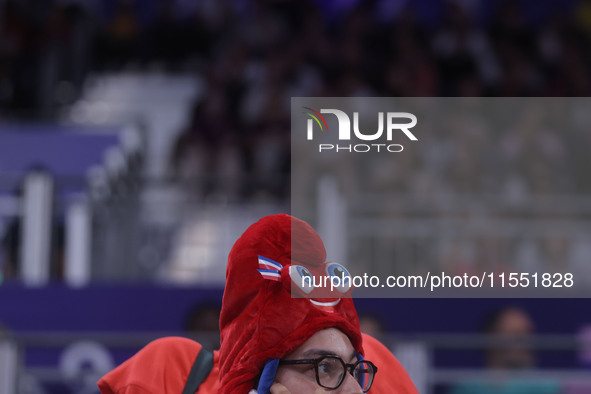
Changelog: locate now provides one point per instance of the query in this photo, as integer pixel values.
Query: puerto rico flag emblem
(269, 269)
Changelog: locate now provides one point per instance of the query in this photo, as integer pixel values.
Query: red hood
(259, 319)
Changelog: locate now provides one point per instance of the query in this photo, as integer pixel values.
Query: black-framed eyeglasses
(330, 371)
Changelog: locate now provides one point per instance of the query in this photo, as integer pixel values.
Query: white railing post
(8, 366)
(78, 243)
(332, 219)
(414, 357)
(37, 217)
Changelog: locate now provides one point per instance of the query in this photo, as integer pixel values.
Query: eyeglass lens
(363, 373)
(331, 373)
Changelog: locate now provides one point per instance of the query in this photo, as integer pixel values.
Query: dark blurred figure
(117, 44)
(166, 37)
(206, 157)
(43, 55)
(513, 326)
(12, 31)
(464, 54)
(203, 322)
(510, 329)
(66, 56)
(11, 250)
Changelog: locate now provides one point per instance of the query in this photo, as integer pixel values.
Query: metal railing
(85, 357)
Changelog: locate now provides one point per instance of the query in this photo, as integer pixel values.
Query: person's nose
(350, 385)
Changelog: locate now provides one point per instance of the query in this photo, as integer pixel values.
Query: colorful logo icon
(315, 115)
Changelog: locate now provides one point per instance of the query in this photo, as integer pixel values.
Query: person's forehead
(325, 342)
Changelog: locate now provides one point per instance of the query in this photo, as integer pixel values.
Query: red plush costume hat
(260, 321)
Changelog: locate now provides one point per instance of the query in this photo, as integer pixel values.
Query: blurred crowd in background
(256, 54)
(252, 56)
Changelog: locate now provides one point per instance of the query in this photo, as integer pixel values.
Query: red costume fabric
(391, 377)
(162, 367)
(259, 320)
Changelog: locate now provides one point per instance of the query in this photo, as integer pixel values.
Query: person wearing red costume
(271, 342)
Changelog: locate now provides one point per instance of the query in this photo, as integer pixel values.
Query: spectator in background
(10, 249)
(513, 327)
(118, 41)
(12, 28)
(206, 154)
(203, 321)
(510, 330)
